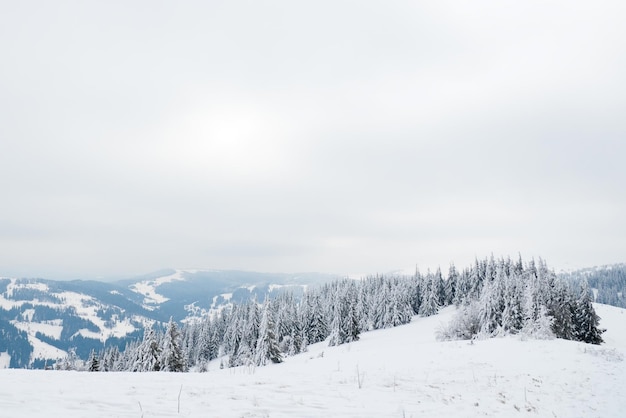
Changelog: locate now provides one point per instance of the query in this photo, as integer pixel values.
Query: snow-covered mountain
(182, 294)
(42, 319)
(396, 372)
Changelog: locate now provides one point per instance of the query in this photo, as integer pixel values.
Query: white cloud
(329, 136)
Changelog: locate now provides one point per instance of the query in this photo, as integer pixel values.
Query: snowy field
(401, 372)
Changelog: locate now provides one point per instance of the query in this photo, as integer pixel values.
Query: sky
(333, 136)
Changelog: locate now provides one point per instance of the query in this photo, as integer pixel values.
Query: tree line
(494, 297)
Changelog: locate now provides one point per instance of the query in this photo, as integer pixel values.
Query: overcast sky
(332, 136)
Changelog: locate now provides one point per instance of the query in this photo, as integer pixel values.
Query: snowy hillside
(186, 293)
(41, 320)
(147, 288)
(398, 372)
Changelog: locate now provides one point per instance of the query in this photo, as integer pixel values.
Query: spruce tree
(439, 288)
(147, 356)
(351, 321)
(513, 313)
(93, 362)
(267, 344)
(430, 296)
(172, 359)
(315, 323)
(586, 320)
(488, 307)
(562, 309)
(450, 286)
(337, 331)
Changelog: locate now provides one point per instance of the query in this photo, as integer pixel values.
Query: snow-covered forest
(494, 298)
(609, 283)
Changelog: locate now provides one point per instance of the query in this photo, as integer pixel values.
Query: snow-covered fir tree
(586, 321)
(93, 364)
(147, 356)
(430, 295)
(171, 354)
(267, 345)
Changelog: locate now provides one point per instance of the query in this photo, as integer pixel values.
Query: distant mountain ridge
(41, 320)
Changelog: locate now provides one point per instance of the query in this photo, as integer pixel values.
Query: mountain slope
(53, 317)
(41, 320)
(398, 372)
(186, 293)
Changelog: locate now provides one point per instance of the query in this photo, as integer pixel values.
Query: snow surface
(52, 329)
(9, 304)
(42, 349)
(87, 307)
(147, 288)
(399, 372)
(120, 329)
(273, 287)
(42, 287)
(195, 313)
(5, 360)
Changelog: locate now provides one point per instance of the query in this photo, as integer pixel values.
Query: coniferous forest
(494, 297)
(609, 283)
